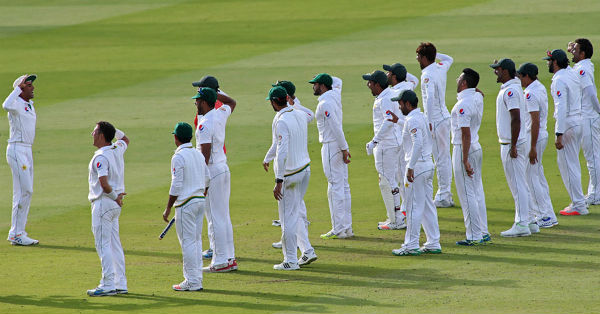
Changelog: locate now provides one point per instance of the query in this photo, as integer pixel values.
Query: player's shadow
(125, 251)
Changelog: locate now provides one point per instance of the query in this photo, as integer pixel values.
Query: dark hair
(107, 130)
(427, 50)
(562, 63)
(415, 105)
(384, 86)
(512, 72)
(471, 77)
(398, 78)
(586, 46)
(281, 102)
(533, 77)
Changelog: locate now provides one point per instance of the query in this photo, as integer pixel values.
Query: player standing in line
(293, 101)
(399, 79)
(510, 111)
(21, 118)
(418, 181)
(189, 184)
(467, 157)
(582, 51)
(566, 92)
(385, 146)
(335, 154)
(106, 192)
(292, 173)
(210, 138)
(433, 91)
(536, 98)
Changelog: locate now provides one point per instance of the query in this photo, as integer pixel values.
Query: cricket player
(293, 101)
(385, 146)
(536, 97)
(566, 93)
(510, 111)
(189, 184)
(21, 118)
(418, 181)
(335, 154)
(582, 51)
(292, 173)
(467, 157)
(106, 190)
(210, 138)
(433, 91)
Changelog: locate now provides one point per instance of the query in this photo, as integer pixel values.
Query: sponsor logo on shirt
(558, 93)
(98, 165)
(440, 63)
(426, 80)
(510, 93)
(461, 111)
(27, 108)
(388, 112)
(528, 96)
(173, 170)
(201, 127)
(327, 114)
(581, 72)
(413, 131)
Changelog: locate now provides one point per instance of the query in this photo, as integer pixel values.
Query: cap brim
(546, 58)
(196, 84)
(495, 65)
(395, 99)
(31, 78)
(268, 98)
(367, 77)
(196, 97)
(313, 82)
(387, 67)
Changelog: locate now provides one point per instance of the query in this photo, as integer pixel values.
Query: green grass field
(132, 63)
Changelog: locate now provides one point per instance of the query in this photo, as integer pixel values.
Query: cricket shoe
(425, 250)
(233, 264)
(185, 286)
(99, 292)
(329, 235)
(276, 223)
(277, 245)
(286, 266)
(21, 239)
(534, 228)
(122, 291)
(387, 221)
(444, 203)
(307, 259)
(517, 230)
(547, 222)
(391, 226)
(406, 252)
(207, 254)
(487, 238)
(570, 211)
(346, 234)
(592, 201)
(221, 268)
(467, 242)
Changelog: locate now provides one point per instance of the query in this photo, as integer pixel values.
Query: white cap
(18, 80)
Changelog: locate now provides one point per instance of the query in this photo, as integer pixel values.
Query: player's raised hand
(571, 47)
(394, 118)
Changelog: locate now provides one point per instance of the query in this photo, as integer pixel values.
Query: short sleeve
(204, 132)
(532, 102)
(464, 115)
(101, 166)
(584, 78)
(511, 99)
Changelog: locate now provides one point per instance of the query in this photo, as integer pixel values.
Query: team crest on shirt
(440, 63)
(327, 114)
(221, 108)
(527, 96)
(388, 112)
(413, 131)
(98, 165)
(461, 111)
(24, 167)
(426, 80)
(26, 108)
(173, 170)
(582, 72)
(558, 93)
(510, 93)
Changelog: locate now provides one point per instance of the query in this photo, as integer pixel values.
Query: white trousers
(590, 142)
(188, 224)
(441, 155)
(294, 223)
(338, 188)
(20, 160)
(540, 204)
(568, 165)
(514, 170)
(420, 209)
(386, 164)
(105, 227)
(217, 213)
(470, 191)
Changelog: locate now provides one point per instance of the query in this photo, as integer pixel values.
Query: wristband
(278, 180)
(558, 134)
(112, 195)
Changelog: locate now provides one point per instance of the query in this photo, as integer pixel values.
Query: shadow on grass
(126, 252)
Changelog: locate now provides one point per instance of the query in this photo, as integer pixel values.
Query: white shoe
(534, 228)
(277, 245)
(286, 266)
(401, 222)
(346, 234)
(21, 239)
(391, 226)
(387, 221)
(307, 259)
(547, 222)
(276, 223)
(517, 230)
(444, 203)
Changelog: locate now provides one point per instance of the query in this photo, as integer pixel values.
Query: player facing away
(106, 190)
(335, 154)
(292, 173)
(22, 119)
(582, 51)
(511, 111)
(536, 97)
(467, 157)
(210, 138)
(433, 91)
(385, 146)
(189, 184)
(418, 181)
(566, 93)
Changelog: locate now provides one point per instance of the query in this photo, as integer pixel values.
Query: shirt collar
(383, 93)
(511, 81)
(182, 146)
(558, 73)
(325, 95)
(465, 93)
(414, 112)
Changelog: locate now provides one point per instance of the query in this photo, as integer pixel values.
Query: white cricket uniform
(540, 204)
(21, 118)
(292, 164)
(410, 83)
(467, 113)
(566, 92)
(416, 139)
(211, 129)
(433, 91)
(189, 179)
(590, 128)
(107, 162)
(331, 135)
(511, 97)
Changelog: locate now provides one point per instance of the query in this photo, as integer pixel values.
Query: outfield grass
(132, 62)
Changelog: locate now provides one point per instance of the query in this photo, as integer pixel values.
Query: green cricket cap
(407, 95)
(277, 92)
(183, 131)
(556, 54)
(289, 86)
(322, 78)
(528, 69)
(397, 69)
(377, 77)
(506, 64)
(207, 81)
(208, 94)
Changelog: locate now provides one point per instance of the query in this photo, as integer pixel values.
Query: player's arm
(515, 128)
(283, 137)
(446, 60)
(177, 164)
(560, 106)
(336, 83)
(591, 93)
(386, 111)
(309, 113)
(535, 132)
(335, 126)
(226, 100)
(413, 79)
(9, 103)
(205, 149)
(464, 122)
(416, 139)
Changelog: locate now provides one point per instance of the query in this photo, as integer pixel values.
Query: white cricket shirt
(291, 134)
(536, 98)
(566, 92)
(433, 88)
(386, 132)
(21, 118)
(103, 164)
(273, 149)
(189, 174)
(211, 129)
(585, 71)
(466, 113)
(329, 119)
(510, 97)
(416, 138)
